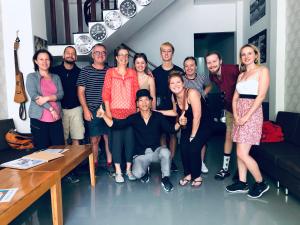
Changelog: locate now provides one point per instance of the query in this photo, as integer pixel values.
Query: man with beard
(225, 77)
(72, 112)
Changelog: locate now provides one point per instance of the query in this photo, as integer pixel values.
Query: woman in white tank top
(251, 90)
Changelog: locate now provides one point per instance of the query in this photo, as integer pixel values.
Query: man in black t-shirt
(163, 93)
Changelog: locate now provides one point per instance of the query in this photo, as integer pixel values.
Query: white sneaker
(130, 176)
(204, 169)
(119, 178)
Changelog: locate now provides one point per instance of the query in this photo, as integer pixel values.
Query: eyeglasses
(97, 53)
(123, 55)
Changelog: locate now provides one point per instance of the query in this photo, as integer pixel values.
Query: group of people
(139, 112)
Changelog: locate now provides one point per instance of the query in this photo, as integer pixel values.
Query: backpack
(18, 140)
(271, 132)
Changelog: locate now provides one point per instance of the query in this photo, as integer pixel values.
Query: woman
(45, 91)
(251, 90)
(187, 104)
(146, 81)
(118, 94)
(202, 84)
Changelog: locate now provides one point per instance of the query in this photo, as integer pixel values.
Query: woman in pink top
(118, 94)
(45, 91)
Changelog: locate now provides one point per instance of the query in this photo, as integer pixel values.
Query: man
(90, 83)
(163, 93)
(148, 126)
(225, 77)
(72, 112)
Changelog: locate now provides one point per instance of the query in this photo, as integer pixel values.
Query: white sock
(226, 160)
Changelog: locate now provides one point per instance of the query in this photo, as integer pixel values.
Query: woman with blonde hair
(251, 90)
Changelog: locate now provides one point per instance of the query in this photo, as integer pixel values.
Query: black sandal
(197, 183)
(183, 182)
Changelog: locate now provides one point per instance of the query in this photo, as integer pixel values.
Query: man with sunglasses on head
(89, 88)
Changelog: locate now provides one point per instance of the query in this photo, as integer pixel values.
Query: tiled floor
(135, 203)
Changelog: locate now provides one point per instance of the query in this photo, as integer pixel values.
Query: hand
(54, 114)
(182, 119)
(243, 120)
(100, 112)
(88, 116)
(41, 100)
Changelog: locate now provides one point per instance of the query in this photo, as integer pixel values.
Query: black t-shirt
(68, 80)
(163, 93)
(146, 135)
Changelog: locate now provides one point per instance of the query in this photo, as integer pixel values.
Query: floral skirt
(250, 132)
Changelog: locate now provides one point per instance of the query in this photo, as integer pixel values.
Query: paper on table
(7, 194)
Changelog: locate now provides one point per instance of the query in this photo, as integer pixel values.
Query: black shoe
(238, 187)
(72, 178)
(222, 174)
(258, 189)
(174, 168)
(145, 178)
(166, 183)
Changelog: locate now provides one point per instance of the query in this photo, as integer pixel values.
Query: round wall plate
(83, 43)
(98, 32)
(113, 20)
(128, 8)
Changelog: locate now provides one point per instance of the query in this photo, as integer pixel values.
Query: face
(190, 67)
(140, 65)
(144, 103)
(122, 57)
(213, 63)
(247, 56)
(99, 55)
(166, 53)
(176, 85)
(43, 61)
(70, 55)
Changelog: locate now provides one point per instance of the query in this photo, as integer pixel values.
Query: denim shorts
(97, 126)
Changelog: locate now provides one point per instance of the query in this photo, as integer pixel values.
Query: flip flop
(183, 182)
(196, 183)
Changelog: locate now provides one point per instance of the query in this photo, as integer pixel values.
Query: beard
(69, 61)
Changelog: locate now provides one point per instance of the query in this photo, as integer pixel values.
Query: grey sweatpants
(142, 162)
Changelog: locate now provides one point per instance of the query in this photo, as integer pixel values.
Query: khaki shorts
(73, 123)
(229, 120)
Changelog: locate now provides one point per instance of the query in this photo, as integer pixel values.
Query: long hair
(144, 57)
(257, 54)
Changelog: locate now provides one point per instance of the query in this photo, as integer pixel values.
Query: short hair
(190, 58)
(213, 53)
(100, 45)
(35, 56)
(167, 44)
(70, 46)
(175, 73)
(119, 48)
(144, 57)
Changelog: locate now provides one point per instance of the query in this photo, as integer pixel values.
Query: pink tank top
(49, 88)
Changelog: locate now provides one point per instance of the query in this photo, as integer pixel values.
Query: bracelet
(51, 109)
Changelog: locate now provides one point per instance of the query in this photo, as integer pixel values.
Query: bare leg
(172, 143)
(128, 166)
(228, 142)
(118, 168)
(163, 141)
(95, 147)
(250, 164)
(107, 150)
(203, 151)
(75, 142)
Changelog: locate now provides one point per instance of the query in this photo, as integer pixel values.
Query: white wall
(178, 23)
(30, 13)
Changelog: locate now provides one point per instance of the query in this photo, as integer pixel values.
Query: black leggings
(46, 134)
(191, 151)
(119, 139)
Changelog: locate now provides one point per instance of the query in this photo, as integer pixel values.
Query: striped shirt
(92, 79)
(199, 82)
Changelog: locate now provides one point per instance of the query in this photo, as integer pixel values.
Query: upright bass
(20, 93)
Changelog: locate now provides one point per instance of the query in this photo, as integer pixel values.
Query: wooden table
(40, 179)
(31, 186)
(72, 158)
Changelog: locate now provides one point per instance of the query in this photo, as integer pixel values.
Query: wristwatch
(143, 2)
(83, 43)
(128, 8)
(113, 20)
(97, 31)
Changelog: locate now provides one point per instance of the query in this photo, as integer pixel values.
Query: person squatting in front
(147, 126)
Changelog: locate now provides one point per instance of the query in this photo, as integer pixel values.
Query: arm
(167, 126)
(152, 92)
(263, 85)
(88, 116)
(170, 112)
(106, 92)
(194, 99)
(111, 123)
